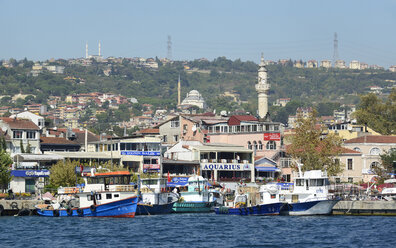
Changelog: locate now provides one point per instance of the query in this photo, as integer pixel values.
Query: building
(354, 65)
(20, 132)
(325, 63)
(282, 102)
(35, 118)
(194, 98)
(312, 64)
(371, 146)
(340, 64)
(217, 162)
(392, 68)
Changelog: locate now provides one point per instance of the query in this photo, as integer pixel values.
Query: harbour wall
(365, 208)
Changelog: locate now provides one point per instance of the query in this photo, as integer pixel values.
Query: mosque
(193, 98)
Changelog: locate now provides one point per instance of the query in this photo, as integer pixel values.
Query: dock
(18, 207)
(359, 207)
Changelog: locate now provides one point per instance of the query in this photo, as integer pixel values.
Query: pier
(18, 207)
(365, 208)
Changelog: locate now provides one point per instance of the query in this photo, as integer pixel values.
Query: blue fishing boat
(104, 195)
(154, 197)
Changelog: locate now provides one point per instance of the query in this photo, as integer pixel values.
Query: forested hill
(210, 78)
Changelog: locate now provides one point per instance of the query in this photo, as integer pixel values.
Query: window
(299, 182)
(349, 163)
(255, 145)
(350, 180)
(357, 149)
(89, 197)
(338, 180)
(98, 197)
(17, 134)
(165, 138)
(108, 196)
(271, 145)
(116, 195)
(375, 151)
(249, 145)
(175, 124)
(176, 138)
(374, 165)
(31, 134)
(260, 145)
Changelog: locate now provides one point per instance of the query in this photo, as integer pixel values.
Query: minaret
(262, 88)
(178, 91)
(86, 50)
(99, 48)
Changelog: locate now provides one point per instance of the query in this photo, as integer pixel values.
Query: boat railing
(121, 188)
(68, 190)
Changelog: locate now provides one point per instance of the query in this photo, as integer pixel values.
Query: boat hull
(263, 209)
(144, 209)
(322, 207)
(193, 207)
(122, 208)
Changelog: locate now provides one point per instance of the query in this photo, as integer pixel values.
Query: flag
(81, 169)
(169, 179)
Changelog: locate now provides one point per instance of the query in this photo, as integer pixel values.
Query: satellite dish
(194, 128)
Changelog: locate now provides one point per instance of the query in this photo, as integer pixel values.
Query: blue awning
(267, 169)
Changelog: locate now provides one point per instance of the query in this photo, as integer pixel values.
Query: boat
(197, 198)
(389, 193)
(309, 194)
(268, 202)
(154, 198)
(108, 194)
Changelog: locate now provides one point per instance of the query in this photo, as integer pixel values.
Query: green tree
(22, 148)
(315, 152)
(63, 174)
(5, 162)
(388, 162)
(377, 114)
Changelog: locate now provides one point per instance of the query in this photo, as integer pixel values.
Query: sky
(282, 29)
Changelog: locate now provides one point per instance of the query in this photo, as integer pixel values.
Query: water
(199, 230)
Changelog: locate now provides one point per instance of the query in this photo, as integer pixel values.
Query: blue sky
(304, 30)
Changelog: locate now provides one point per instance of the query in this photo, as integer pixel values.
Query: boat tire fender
(14, 205)
(240, 210)
(92, 208)
(80, 212)
(56, 213)
(1, 209)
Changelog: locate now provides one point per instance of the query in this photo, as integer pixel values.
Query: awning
(37, 157)
(267, 169)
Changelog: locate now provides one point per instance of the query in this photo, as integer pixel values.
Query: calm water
(199, 230)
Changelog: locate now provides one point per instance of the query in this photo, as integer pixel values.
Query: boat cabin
(197, 183)
(108, 181)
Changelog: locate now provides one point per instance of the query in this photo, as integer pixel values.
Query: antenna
(169, 47)
(335, 55)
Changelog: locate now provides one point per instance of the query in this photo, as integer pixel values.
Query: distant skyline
(41, 30)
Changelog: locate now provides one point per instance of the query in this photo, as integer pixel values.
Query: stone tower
(262, 88)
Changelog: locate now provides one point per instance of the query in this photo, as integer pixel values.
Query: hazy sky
(293, 29)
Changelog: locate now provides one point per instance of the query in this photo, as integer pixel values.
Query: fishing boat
(106, 194)
(197, 198)
(309, 195)
(154, 197)
(269, 202)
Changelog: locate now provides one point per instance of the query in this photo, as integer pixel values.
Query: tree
(5, 162)
(63, 173)
(377, 114)
(388, 162)
(315, 152)
(22, 148)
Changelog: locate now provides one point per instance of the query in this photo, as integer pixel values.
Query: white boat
(197, 198)
(309, 194)
(389, 194)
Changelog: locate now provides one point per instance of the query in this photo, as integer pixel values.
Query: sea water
(199, 230)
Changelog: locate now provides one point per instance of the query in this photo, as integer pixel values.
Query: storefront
(28, 181)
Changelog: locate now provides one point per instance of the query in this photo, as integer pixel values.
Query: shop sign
(227, 167)
(141, 153)
(272, 136)
(151, 166)
(30, 173)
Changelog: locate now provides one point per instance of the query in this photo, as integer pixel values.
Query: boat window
(98, 197)
(299, 182)
(321, 182)
(89, 197)
(273, 196)
(108, 196)
(116, 195)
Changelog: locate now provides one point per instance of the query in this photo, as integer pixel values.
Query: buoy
(56, 213)
(92, 208)
(69, 211)
(80, 212)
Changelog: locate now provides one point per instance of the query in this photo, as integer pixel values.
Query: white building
(194, 98)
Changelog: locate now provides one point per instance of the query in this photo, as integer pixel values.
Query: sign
(141, 153)
(30, 173)
(145, 171)
(272, 136)
(151, 166)
(227, 167)
(178, 181)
